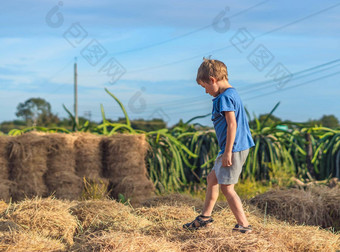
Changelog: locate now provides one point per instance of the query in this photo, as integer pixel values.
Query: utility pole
(75, 92)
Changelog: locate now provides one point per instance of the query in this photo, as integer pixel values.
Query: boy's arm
(231, 133)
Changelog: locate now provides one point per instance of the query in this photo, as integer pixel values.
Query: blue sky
(157, 47)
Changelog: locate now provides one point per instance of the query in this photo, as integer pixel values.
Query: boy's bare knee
(228, 190)
(211, 179)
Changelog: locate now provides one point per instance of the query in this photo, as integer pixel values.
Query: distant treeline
(38, 112)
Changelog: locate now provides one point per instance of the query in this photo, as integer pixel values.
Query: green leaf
(121, 106)
(74, 124)
(271, 112)
(196, 117)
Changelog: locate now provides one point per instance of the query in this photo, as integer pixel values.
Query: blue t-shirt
(229, 100)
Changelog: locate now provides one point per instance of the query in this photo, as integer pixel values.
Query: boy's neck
(223, 85)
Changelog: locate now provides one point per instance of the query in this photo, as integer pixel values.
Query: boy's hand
(226, 159)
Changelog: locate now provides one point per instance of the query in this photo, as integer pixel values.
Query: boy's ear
(212, 80)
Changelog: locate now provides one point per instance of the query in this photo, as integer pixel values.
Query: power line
(226, 47)
(174, 105)
(258, 96)
(49, 78)
(60, 70)
(299, 20)
(185, 34)
(294, 86)
(314, 69)
(88, 114)
(57, 73)
(200, 105)
(260, 86)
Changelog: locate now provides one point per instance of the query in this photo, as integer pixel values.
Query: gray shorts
(227, 175)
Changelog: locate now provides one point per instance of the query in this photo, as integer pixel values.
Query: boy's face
(210, 88)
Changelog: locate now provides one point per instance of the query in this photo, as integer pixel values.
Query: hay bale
(89, 157)
(97, 215)
(27, 241)
(5, 183)
(64, 185)
(61, 154)
(48, 217)
(136, 187)
(330, 198)
(124, 166)
(4, 174)
(61, 178)
(318, 206)
(43, 164)
(124, 155)
(5, 187)
(27, 165)
(292, 205)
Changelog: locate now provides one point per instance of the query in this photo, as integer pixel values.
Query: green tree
(6, 126)
(141, 124)
(329, 121)
(312, 122)
(148, 125)
(270, 120)
(36, 111)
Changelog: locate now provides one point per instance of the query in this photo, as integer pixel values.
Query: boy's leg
(211, 194)
(235, 204)
(210, 197)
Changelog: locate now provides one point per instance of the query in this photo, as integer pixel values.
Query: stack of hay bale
(61, 177)
(89, 157)
(124, 166)
(27, 156)
(41, 164)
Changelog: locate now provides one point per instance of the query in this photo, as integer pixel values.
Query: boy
(234, 139)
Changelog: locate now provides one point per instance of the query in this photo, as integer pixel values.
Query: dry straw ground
(156, 225)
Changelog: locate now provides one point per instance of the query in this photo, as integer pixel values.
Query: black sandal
(202, 223)
(242, 229)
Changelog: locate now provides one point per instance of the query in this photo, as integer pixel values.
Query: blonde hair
(211, 68)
